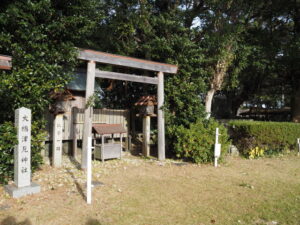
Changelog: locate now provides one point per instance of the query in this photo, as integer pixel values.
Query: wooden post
(102, 147)
(121, 136)
(128, 117)
(160, 117)
(74, 117)
(57, 140)
(88, 112)
(146, 136)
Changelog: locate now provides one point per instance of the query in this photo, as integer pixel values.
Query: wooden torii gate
(101, 57)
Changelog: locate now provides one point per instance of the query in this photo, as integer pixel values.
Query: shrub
(8, 140)
(196, 143)
(38, 137)
(256, 152)
(273, 137)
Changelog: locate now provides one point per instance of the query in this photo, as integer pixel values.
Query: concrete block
(16, 192)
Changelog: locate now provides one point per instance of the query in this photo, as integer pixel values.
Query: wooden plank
(119, 60)
(102, 116)
(74, 125)
(74, 122)
(126, 77)
(121, 141)
(88, 112)
(161, 117)
(102, 148)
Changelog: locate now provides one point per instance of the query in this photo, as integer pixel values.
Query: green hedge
(270, 136)
(8, 140)
(196, 143)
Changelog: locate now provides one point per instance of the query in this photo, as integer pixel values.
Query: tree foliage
(40, 36)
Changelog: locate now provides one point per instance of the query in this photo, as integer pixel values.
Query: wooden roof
(5, 62)
(112, 59)
(109, 129)
(63, 96)
(146, 100)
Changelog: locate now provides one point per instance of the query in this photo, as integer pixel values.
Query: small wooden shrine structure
(93, 57)
(105, 150)
(146, 107)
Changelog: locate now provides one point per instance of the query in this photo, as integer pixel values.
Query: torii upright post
(161, 117)
(88, 111)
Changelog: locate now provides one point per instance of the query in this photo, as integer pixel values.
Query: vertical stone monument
(57, 140)
(22, 157)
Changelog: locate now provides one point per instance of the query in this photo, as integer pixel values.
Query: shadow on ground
(93, 222)
(10, 220)
(75, 162)
(78, 186)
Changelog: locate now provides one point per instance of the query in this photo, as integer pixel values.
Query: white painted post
(160, 117)
(217, 135)
(217, 150)
(89, 172)
(298, 141)
(88, 112)
(57, 140)
(146, 136)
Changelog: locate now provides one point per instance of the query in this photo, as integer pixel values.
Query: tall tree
(41, 35)
(156, 31)
(272, 70)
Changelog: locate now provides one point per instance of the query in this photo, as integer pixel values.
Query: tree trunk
(208, 102)
(296, 106)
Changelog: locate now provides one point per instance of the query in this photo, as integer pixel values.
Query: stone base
(16, 192)
(233, 151)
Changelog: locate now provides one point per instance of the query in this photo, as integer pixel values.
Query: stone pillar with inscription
(22, 157)
(57, 140)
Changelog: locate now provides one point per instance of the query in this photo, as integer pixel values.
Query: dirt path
(137, 191)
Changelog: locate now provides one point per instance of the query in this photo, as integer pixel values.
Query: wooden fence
(73, 121)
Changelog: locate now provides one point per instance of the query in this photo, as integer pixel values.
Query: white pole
(298, 140)
(216, 162)
(89, 172)
(216, 154)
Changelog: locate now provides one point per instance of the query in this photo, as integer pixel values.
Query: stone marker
(22, 157)
(57, 140)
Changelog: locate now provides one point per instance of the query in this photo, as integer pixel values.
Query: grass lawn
(137, 191)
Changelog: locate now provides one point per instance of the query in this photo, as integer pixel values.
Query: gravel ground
(70, 176)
